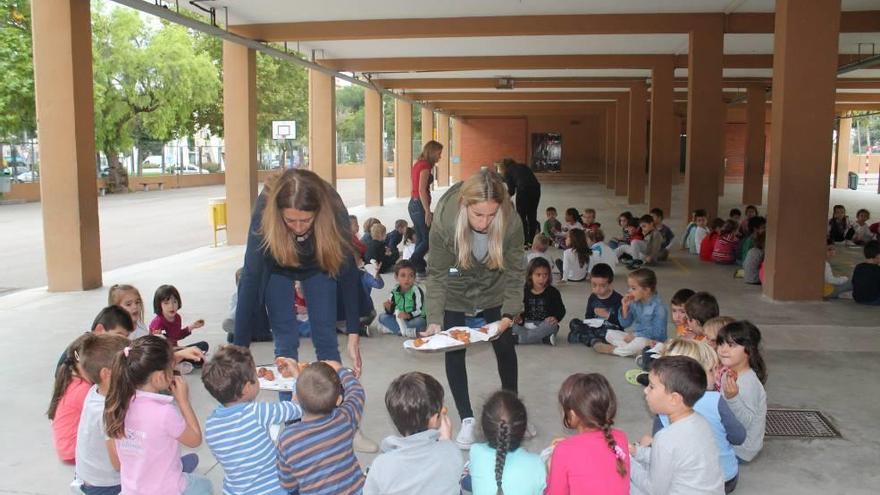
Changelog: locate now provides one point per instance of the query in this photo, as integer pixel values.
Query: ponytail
(502, 444)
(65, 373)
(131, 369)
(618, 452)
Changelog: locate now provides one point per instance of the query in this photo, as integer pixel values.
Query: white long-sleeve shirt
(571, 266)
(699, 234)
(830, 278)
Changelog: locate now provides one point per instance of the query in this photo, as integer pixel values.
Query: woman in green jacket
(475, 276)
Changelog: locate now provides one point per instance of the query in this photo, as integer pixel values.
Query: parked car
(187, 170)
(29, 176)
(152, 161)
(14, 169)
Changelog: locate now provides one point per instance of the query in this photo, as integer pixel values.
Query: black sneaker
(549, 340)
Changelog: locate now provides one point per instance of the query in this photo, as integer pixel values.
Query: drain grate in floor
(799, 423)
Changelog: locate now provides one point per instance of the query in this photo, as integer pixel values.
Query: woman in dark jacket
(521, 181)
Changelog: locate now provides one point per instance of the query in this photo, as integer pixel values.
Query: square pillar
(621, 164)
(753, 173)
(844, 149)
(705, 118)
(804, 78)
(240, 138)
(403, 147)
(427, 124)
(322, 125)
(373, 163)
(455, 152)
(62, 45)
(443, 138)
(664, 137)
(610, 145)
(638, 132)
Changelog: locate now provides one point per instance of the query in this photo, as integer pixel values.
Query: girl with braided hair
(501, 466)
(589, 406)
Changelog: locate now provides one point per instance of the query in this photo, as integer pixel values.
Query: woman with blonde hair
(300, 231)
(420, 200)
(475, 276)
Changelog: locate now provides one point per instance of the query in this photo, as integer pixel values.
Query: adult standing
(300, 232)
(420, 201)
(475, 275)
(522, 183)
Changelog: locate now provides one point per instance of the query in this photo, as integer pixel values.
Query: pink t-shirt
(66, 420)
(173, 330)
(584, 465)
(149, 455)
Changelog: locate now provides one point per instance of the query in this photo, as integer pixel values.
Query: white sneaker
(361, 443)
(409, 332)
(531, 431)
(465, 437)
(383, 329)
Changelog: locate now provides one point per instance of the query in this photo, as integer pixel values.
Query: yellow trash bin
(217, 215)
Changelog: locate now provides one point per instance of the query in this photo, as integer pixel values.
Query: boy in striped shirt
(316, 454)
(238, 430)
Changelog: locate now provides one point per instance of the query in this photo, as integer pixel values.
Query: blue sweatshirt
(648, 319)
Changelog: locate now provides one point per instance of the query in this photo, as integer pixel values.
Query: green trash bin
(852, 181)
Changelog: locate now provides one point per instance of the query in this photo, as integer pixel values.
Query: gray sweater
(682, 460)
(420, 463)
(750, 408)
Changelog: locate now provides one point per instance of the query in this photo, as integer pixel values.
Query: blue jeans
(189, 461)
(417, 215)
(390, 322)
(196, 484)
(320, 292)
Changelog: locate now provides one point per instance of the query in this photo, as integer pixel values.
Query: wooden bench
(146, 185)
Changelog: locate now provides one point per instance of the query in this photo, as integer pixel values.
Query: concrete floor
(821, 355)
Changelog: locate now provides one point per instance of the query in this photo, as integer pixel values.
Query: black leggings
(527, 208)
(456, 365)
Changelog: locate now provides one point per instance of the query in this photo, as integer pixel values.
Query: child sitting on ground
(415, 403)
(834, 285)
(404, 310)
(145, 426)
(634, 248)
(589, 406)
(682, 457)
(377, 249)
(700, 308)
(111, 319)
(368, 229)
(238, 430)
(588, 220)
(866, 276)
(572, 222)
(861, 230)
(665, 231)
(68, 395)
(754, 259)
(128, 298)
(501, 465)
(575, 261)
(724, 252)
(601, 252)
(167, 322)
(839, 224)
(696, 231)
(727, 429)
(650, 354)
(742, 382)
(543, 307)
(712, 327)
(552, 226)
(679, 314)
(604, 302)
(755, 226)
(735, 215)
(751, 212)
(409, 243)
(642, 309)
(624, 221)
(540, 244)
(707, 246)
(95, 474)
(358, 244)
(655, 243)
(333, 402)
(395, 237)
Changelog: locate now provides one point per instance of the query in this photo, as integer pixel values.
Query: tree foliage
(17, 109)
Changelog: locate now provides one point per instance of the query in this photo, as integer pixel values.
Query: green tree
(17, 109)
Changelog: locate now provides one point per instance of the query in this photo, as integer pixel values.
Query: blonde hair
(694, 349)
(304, 190)
(431, 152)
(714, 325)
(481, 187)
(377, 231)
(118, 291)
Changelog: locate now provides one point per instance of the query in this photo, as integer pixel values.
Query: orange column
(804, 77)
(705, 121)
(240, 138)
(455, 152)
(753, 175)
(443, 138)
(611, 144)
(844, 149)
(621, 164)
(403, 147)
(373, 168)
(322, 125)
(664, 137)
(62, 45)
(427, 125)
(638, 143)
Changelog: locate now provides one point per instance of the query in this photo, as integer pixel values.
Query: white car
(29, 176)
(188, 169)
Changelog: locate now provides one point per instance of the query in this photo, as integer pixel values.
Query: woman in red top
(420, 201)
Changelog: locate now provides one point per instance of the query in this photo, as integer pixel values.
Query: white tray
(442, 342)
(279, 384)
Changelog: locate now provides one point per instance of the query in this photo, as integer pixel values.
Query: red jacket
(707, 246)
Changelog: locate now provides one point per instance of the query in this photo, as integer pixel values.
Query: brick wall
(488, 140)
(735, 148)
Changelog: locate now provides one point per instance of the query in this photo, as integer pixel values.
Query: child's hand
(729, 386)
(629, 338)
(403, 315)
(197, 324)
(445, 425)
(387, 305)
(336, 365)
(180, 389)
(288, 367)
(602, 313)
(627, 300)
(191, 353)
(551, 320)
(519, 320)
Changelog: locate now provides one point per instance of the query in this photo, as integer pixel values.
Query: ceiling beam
(525, 82)
(530, 25)
(458, 107)
(518, 96)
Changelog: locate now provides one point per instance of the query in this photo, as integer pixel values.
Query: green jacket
(479, 287)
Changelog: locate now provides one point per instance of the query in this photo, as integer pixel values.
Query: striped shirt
(316, 456)
(239, 438)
